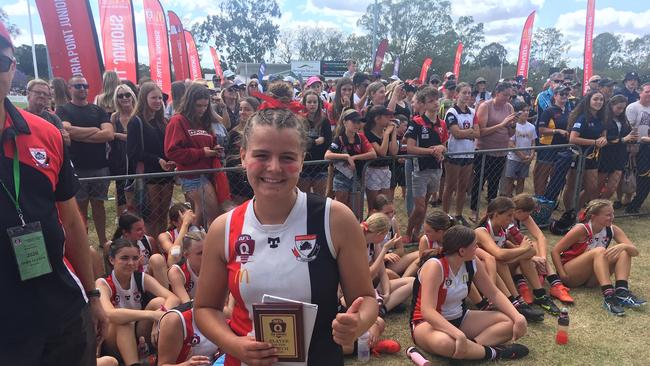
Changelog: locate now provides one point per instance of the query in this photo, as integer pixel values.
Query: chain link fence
(468, 181)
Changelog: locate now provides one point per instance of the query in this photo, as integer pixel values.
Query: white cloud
(17, 9)
(24, 38)
(491, 10)
(346, 13)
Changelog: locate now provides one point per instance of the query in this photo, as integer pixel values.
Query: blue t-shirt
(591, 130)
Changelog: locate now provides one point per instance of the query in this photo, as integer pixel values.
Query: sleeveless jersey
(194, 342)
(294, 260)
(145, 252)
(592, 241)
(173, 234)
(464, 121)
(432, 244)
(453, 290)
(499, 238)
(130, 298)
(189, 277)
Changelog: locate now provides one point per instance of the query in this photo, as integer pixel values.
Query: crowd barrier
(488, 179)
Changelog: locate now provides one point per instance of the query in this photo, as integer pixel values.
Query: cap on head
(632, 75)
(450, 85)
(228, 74)
(434, 78)
(605, 82)
(594, 79)
(351, 114)
(448, 74)
(312, 80)
(560, 89)
(480, 79)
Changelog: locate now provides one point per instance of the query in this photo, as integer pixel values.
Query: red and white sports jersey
(130, 298)
(294, 260)
(194, 342)
(190, 279)
(499, 237)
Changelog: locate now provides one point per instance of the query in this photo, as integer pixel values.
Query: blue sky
(503, 18)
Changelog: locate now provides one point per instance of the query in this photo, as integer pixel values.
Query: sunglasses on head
(6, 62)
(124, 96)
(80, 86)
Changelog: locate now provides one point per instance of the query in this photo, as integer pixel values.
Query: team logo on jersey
(278, 327)
(447, 283)
(190, 285)
(40, 157)
(306, 249)
(244, 248)
(273, 242)
(195, 340)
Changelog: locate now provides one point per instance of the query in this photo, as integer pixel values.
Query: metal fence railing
(492, 174)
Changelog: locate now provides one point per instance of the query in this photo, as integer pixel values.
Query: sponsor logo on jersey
(242, 276)
(305, 248)
(244, 248)
(40, 157)
(273, 242)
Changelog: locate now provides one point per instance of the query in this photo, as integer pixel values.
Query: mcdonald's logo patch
(242, 275)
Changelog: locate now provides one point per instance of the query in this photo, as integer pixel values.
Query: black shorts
(546, 156)
(460, 161)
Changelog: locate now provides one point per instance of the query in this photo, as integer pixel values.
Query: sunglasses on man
(80, 86)
(6, 62)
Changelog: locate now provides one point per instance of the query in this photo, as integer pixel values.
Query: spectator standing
(124, 101)
(593, 83)
(239, 187)
(314, 177)
(496, 119)
(105, 100)
(518, 163)
(90, 129)
(638, 113)
(545, 98)
(361, 82)
(178, 91)
(38, 101)
(343, 99)
(381, 132)
(38, 201)
(60, 92)
(482, 93)
(434, 81)
(352, 69)
(606, 88)
(449, 96)
(629, 88)
(614, 155)
(230, 97)
(145, 148)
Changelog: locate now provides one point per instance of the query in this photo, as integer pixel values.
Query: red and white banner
(193, 56)
(72, 42)
(589, 41)
(154, 17)
(179, 49)
(379, 56)
(425, 69)
(118, 38)
(524, 46)
(459, 55)
(217, 62)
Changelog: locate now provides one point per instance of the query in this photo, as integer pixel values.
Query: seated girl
(170, 242)
(524, 206)
(391, 292)
(184, 278)
(441, 323)
(131, 227)
(584, 257)
(123, 295)
(398, 262)
(491, 237)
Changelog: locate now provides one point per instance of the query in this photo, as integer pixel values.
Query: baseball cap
(480, 79)
(561, 88)
(351, 115)
(228, 74)
(4, 34)
(312, 80)
(632, 75)
(450, 85)
(595, 78)
(394, 78)
(434, 78)
(448, 74)
(378, 110)
(239, 82)
(606, 82)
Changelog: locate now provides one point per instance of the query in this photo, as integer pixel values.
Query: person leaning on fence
(588, 132)
(349, 148)
(117, 157)
(273, 146)
(239, 187)
(614, 155)
(441, 323)
(496, 119)
(381, 132)
(584, 257)
(552, 165)
(133, 301)
(458, 168)
(638, 113)
(145, 149)
(425, 136)
(518, 162)
(190, 143)
(314, 177)
(90, 129)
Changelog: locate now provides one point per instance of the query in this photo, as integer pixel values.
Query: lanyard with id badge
(27, 239)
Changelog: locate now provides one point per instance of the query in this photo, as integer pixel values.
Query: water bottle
(562, 335)
(417, 357)
(143, 351)
(363, 351)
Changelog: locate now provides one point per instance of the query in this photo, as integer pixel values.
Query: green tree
(549, 47)
(491, 55)
(606, 45)
(25, 61)
(471, 34)
(636, 54)
(243, 29)
(4, 18)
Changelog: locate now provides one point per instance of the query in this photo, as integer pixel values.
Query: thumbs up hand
(344, 327)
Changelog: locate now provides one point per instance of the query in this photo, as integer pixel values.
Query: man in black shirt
(90, 129)
(46, 319)
(630, 84)
(38, 98)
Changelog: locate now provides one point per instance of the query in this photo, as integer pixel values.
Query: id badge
(30, 251)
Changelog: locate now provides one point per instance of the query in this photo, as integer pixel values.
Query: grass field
(595, 337)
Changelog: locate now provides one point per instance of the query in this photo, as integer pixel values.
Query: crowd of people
(181, 278)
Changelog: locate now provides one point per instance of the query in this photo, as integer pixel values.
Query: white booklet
(309, 312)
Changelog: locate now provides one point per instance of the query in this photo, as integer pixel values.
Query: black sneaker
(511, 351)
(461, 220)
(531, 315)
(547, 304)
(613, 306)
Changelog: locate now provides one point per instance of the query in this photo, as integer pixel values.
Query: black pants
(493, 169)
(642, 178)
(72, 345)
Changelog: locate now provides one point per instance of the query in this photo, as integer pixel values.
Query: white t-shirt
(524, 136)
(639, 117)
